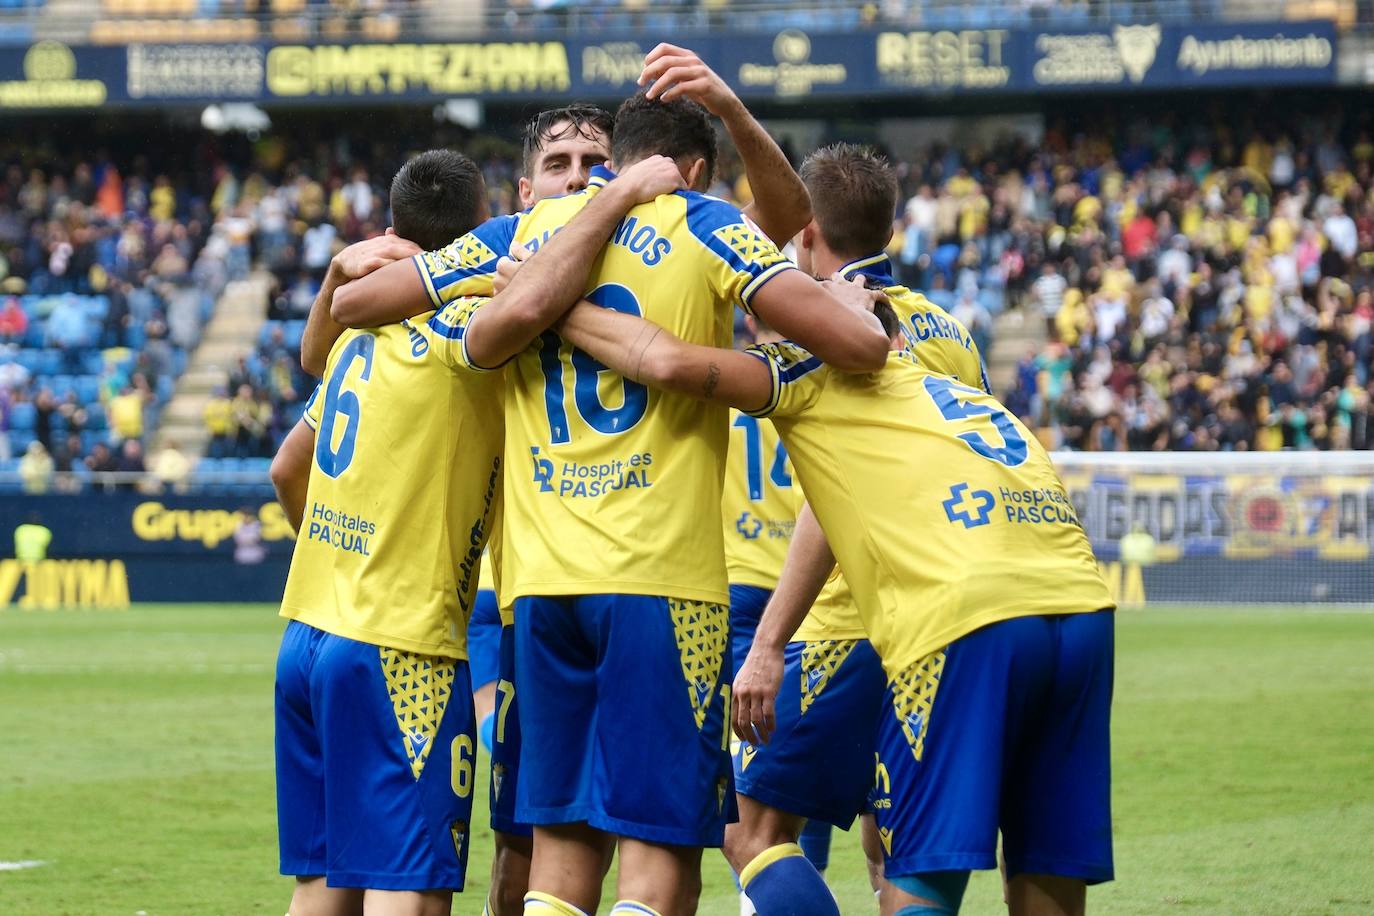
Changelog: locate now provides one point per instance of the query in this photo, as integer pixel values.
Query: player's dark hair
(680, 129)
(577, 119)
(436, 197)
(853, 196)
(888, 316)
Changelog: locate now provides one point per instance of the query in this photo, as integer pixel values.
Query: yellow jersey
(944, 511)
(405, 489)
(607, 478)
(940, 343)
(759, 507)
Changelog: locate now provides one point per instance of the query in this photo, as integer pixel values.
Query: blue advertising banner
(110, 549)
(791, 64)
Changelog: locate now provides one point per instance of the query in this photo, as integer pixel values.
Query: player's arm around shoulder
(646, 353)
(555, 277)
(406, 288)
(835, 322)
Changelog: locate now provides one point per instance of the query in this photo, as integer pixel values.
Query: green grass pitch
(136, 762)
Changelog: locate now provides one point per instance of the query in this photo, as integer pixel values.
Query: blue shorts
(374, 781)
(819, 763)
(484, 640)
(505, 745)
(1007, 729)
(623, 703)
(746, 607)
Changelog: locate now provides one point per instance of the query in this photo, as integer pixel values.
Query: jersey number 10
(586, 375)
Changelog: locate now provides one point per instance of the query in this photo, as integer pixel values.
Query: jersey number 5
(610, 421)
(339, 402)
(945, 393)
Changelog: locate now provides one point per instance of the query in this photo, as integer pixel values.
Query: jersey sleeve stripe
(774, 385)
(427, 281)
(756, 284)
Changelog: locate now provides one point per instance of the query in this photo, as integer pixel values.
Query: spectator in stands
(126, 414)
(170, 467)
(250, 423)
(67, 330)
(1048, 292)
(130, 461)
(44, 406)
(219, 423)
(36, 469)
(14, 323)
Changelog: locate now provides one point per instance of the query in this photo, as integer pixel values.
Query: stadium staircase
(232, 332)
(1016, 331)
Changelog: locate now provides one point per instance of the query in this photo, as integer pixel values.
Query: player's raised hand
(671, 72)
(362, 258)
(506, 267)
(650, 178)
(756, 695)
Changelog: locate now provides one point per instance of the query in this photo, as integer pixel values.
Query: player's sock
(633, 908)
(944, 890)
(781, 881)
(815, 844)
(541, 904)
(488, 731)
(746, 906)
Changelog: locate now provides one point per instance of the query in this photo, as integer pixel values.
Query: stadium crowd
(1201, 287)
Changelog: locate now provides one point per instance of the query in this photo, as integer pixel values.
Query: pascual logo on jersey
(1096, 57)
(970, 509)
(50, 81)
(793, 73)
(578, 479)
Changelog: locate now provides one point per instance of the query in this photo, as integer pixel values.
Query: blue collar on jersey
(874, 267)
(599, 175)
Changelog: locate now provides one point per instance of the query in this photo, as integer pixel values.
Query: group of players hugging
(835, 544)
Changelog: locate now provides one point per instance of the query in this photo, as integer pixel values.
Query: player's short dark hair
(853, 196)
(888, 316)
(436, 197)
(579, 118)
(680, 129)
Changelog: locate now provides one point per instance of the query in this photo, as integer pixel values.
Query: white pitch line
(17, 866)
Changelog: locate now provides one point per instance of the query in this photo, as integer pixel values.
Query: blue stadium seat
(88, 388)
(49, 362)
(165, 386)
(62, 385)
(134, 338)
(95, 415)
(22, 416)
(90, 438)
(295, 330)
(265, 332)
(19, 441)
(93, 363)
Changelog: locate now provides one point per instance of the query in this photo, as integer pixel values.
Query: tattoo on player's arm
(712, 380)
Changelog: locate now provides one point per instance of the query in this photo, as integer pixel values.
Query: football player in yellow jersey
(609, 559)
(818, 767)
(374, 713)
(976, 586)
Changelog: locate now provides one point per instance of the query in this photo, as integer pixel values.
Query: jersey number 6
(341, 403)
